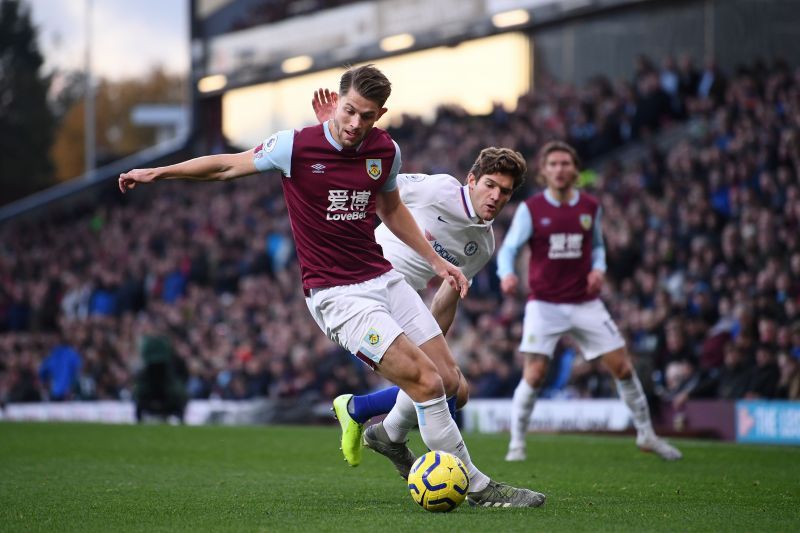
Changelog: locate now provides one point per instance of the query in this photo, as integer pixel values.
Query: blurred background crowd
(702, 238)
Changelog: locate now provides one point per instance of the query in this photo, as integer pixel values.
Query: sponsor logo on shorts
(471, 248)
(373, 338)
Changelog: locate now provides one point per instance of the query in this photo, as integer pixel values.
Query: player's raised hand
(129, 180)
(508, 284)
(324, 104)
(453, 275)
(594, 281)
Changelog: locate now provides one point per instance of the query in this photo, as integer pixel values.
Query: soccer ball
(438, 481)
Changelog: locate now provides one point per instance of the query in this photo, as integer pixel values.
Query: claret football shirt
(330, 195)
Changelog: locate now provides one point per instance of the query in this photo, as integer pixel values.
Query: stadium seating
(703, 242)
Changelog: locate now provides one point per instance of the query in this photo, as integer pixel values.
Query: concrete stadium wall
(732, 31)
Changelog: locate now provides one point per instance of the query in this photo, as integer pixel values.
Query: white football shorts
(588, 323)
(365, 318)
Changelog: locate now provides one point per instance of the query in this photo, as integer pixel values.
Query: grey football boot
(376, 438)
(501, 495)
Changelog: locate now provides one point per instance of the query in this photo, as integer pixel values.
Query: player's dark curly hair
(500, 161)
(368, 81)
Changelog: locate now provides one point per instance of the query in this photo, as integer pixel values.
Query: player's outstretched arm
(520, 231)
(206, 168)
(399, 220)
(444, 305)
(324, 104)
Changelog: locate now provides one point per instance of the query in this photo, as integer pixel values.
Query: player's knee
(619, 364)
(430, 385)
(450, 380)
(463, 394)
(535, 370)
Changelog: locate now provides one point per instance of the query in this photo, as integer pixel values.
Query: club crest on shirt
(586, 221)
(374, 168)
(471, 248)
(373, 338)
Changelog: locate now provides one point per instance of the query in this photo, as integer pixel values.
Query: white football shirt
(443, 211)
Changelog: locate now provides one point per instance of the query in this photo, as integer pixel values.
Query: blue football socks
(362, 408)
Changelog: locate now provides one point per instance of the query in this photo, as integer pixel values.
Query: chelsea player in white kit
(457, 221)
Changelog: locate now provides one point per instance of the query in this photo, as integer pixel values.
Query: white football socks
(632, 393)
(440, 432)
(401, 419)
(521, 408)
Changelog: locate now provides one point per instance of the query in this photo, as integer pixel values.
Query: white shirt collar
(328, 135)
(469, 209)
(555, 203)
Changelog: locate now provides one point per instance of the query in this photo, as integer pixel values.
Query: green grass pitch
(86, 477)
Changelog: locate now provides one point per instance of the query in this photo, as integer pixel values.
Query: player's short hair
(549, 148)
(558, 146)
(505, 161)
(368, 81)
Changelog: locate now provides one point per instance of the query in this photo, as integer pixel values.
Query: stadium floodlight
(394, 43)
(506, 19)
(212, 83)
(297, 64)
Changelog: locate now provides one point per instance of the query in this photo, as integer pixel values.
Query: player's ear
(472, 181)
(381, 111)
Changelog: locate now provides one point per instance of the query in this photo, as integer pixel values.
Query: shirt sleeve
(275, 153)
(391, 181)
(520, 231)
(419, 190)
(598, 245)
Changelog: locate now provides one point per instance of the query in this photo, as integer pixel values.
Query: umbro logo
(318, 168)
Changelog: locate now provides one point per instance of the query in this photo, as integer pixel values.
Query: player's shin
(440, 432)
(522, 405)
(362, 408)
(632, 393)
(401, 419)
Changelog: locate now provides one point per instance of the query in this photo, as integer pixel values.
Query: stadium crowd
(703, 246)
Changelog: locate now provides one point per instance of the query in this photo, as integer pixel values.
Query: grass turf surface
(86, 477)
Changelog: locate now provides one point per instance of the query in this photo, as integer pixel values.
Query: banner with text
(494, 416)
(768, 422)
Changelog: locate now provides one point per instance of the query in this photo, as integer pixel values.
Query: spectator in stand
(764, 382)
(59, 371)
(688, 233)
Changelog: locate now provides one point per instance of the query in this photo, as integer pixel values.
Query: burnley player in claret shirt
(336, 178)
(561, 226)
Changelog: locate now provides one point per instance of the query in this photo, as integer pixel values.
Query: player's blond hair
(504, 161)
(549, 148)
(368, 81)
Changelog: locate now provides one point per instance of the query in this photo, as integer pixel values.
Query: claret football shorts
(365, 318)
(588, 323)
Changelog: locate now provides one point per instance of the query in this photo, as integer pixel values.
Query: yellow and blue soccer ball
(438, 481)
